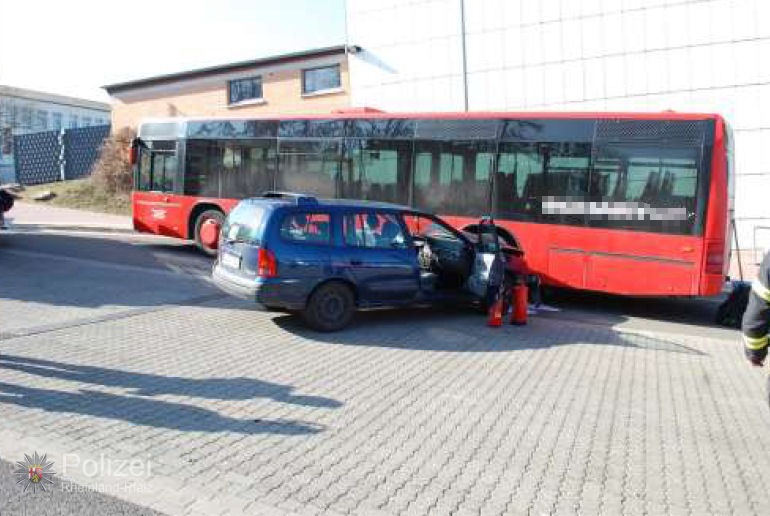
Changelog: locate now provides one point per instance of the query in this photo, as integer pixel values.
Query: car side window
(422, 227)
(375, 230)
(311, 228)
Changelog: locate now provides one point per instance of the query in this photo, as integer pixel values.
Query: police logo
(35, 471)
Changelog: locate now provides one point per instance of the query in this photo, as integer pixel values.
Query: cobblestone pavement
(420, 412)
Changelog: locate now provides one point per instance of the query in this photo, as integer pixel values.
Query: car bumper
(267, 293)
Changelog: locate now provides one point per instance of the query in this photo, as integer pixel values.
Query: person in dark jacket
(6, 203)
(756, 319)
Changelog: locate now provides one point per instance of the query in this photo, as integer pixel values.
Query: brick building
(313, 81)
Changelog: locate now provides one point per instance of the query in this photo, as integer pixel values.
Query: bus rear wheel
(207, 227)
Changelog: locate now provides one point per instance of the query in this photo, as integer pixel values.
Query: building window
(73, 121)
(86, 122)
(241, 90)
(56, 121)
(26, 118)
(321, 79)
(41, 121)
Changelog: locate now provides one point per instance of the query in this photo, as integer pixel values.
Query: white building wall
(579, 55)
(20, 114)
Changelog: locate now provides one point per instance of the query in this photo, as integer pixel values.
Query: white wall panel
(573, 81)
(654, 29)
(513, 80)
(474, 16)
(676, 25)
(533, 86)
(764, 106)
(491, 11)
(513, 52)
(746, 63)
(745, 21)
(495, 90)
(636, 73)
(550, 10)
(530, 12)
(511, 14)
(763, 164)
(721, 20)
(724, 74)
(612, 37)
(751, 196)
(592, 37)
(700, 23)
(593, 73)
(746, 104)
(615, 76)
(633, 31)
(553, 83)
(657, 71)
(590, 7)
(701, 67)
(552, 44)
(746, 155)
(476, 50)
(762, 10)
(572, 39)
(532, 44)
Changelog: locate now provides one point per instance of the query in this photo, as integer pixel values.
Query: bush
(112, 172)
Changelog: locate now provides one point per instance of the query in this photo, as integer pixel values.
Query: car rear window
(312, 228)
(245, 224)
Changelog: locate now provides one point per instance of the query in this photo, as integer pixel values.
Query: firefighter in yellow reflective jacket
(756, 319)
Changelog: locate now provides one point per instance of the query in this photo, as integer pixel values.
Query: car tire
(330, 308)
(208, 215)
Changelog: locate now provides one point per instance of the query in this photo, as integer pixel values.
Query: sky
(73, 47)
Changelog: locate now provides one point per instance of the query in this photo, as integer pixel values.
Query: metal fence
(57, 156)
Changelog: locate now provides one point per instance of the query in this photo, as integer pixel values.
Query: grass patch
(80, 194)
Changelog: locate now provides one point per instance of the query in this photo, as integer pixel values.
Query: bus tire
(330, 308)
(208, 215)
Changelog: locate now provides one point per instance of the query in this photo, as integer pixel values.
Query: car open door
(488, 263)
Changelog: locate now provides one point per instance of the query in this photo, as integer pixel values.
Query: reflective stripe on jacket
(756, 319)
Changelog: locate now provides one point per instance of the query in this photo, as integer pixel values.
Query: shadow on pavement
(89, 271)
(460, 330)
(145, 384)
(147, 412)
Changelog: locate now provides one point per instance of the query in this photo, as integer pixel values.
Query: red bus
(624, 203)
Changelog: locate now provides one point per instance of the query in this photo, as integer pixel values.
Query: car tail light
(133, 151)
(715, 258)
(266, 264)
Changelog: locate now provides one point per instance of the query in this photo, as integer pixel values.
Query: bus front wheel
(207, 227)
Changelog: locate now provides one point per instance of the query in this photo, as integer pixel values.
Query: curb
(64, 227)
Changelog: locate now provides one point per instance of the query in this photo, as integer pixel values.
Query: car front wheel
(330, 307)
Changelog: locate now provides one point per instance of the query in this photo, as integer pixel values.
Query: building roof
(225, 68)
(52, 98)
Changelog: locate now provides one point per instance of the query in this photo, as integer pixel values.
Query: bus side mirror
(133, 151)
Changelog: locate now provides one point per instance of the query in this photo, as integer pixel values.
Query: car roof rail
(298, 198)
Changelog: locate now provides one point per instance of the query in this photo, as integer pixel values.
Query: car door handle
(356, 262)
(297, 263)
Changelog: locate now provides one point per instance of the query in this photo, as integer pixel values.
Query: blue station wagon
(326, 258)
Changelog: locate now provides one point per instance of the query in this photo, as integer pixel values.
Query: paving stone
(429, 413)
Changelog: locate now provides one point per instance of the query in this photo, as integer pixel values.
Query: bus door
(156, 208)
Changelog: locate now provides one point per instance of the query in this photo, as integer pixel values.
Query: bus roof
(177, 127)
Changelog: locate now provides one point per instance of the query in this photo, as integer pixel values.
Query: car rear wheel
(330, 307)
(207, 227)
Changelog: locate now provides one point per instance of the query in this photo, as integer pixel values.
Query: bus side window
(653, 179)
